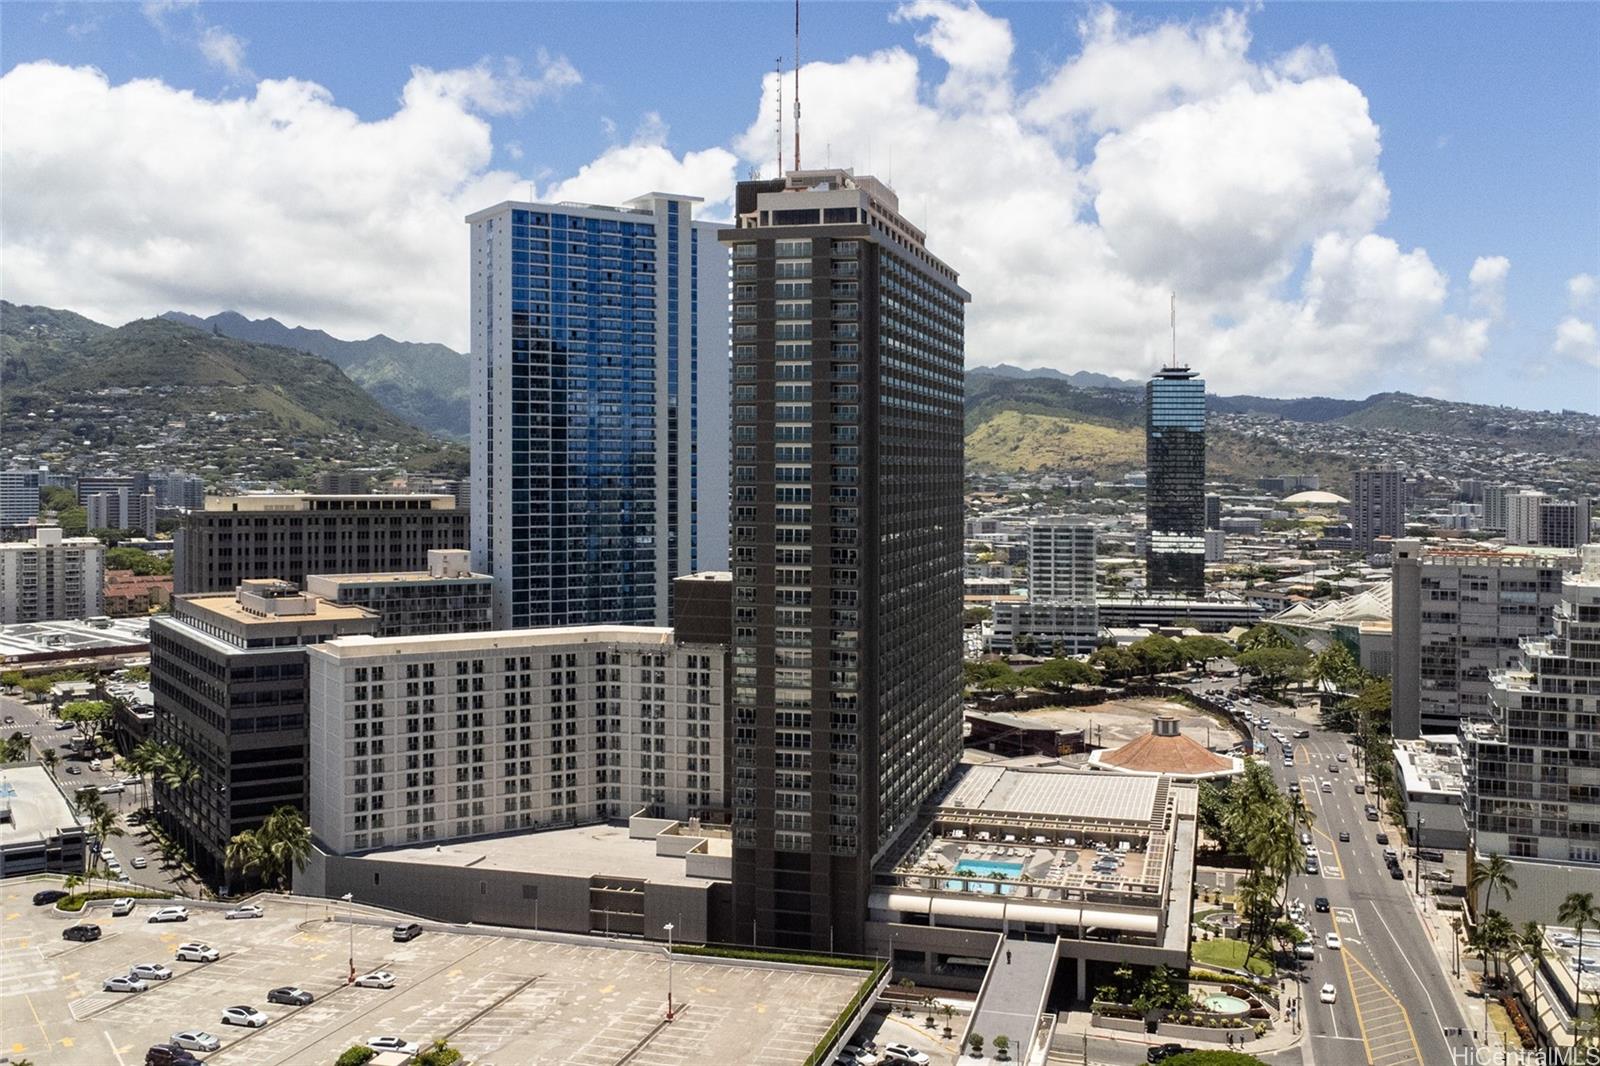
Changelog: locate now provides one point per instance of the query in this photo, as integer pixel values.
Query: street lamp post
(668, 928)
(1416, 848)
(350, 919)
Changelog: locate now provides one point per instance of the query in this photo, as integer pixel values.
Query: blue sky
(1483, 122)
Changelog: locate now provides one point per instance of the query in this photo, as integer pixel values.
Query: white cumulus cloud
(1487, 280)
(281, 202)
(1577, 339)
(1581, 291)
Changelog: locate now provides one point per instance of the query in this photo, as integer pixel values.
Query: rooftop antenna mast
(780, 116)
(1174, 329)
(797, 84)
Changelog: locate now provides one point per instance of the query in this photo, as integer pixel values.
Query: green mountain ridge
(425, 384)
(52, 362)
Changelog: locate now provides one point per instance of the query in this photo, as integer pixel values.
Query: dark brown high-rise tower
(845, 544)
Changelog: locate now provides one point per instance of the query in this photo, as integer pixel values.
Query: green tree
(1202, 650)
(1156, 654)
(1496, 935)
(1264, 636)
(143, 563)
(11, 679)
(973, 616)
(1059, 675)
(1579, 911)
(439, 1053)
(1002, 1044)
(1335, 667)
(355, 1055)
(36, 687)
(1489, 876)
(990, 675)
(88, 717)
(15, 748)
(280, 846)
(1275, 666)
(49, 759)
(1531, 940)
(1114, 662)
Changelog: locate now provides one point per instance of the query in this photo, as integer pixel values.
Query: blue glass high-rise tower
(1175, 482)
(589, 368)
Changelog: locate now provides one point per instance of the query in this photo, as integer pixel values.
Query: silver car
(123, 983)
(196, 1040)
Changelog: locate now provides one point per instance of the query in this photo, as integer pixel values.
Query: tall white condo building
(600, 407)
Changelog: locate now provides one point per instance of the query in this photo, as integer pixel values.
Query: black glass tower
(845, 546)
(1175, 473)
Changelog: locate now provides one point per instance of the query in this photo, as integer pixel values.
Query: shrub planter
(1218, 1035)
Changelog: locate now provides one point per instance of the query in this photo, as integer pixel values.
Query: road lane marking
(1410, 1035)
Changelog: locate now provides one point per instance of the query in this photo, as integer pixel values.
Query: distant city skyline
(1346, 200)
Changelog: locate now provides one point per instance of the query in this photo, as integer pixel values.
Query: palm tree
(1496, 936)
(1496, 873)
(1578, 910)
(49, 758)
(104, 824)
(245, 852)
(1531, 940)
(287, 842)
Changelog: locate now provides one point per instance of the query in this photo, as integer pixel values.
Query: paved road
(1394, 998)
(35, 718)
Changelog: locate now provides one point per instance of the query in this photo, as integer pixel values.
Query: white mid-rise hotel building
(435, 738)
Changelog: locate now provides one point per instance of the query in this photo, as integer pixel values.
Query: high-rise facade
(176, 490)
(286, 537)
(1377, 507)
(1175, 478)
(1522, 516)
(121, 508)
(51, 577)
(1060, 616)
(1532, 755)
(1061, 562)
(845, 544)
(1458, 616)
(229, 676)
(19, 496)
(589, 368)
(1565, 523)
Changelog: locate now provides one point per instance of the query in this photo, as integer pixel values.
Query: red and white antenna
(780, 116)
(797, 84)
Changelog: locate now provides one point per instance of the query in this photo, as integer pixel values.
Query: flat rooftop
(1063, 795)
(366, 646)
(226, 605)
(409, 577)
(582, 851)
(66, 636)
(38, 809)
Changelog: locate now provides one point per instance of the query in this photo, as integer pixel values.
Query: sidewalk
(1074, 1025)
(1436, 924)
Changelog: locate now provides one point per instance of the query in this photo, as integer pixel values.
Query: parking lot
(501, 1000)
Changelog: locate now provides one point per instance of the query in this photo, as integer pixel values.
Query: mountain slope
(425, 384)
(1252, 435)
(72, 384)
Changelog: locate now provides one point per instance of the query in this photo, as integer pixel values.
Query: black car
(169, 1055)
(1383, 838)
(403, 933)
(49, 895)
(1397, 873)
(1344, 836)
(82, 933)
(1163, 1052)
(1321, 904)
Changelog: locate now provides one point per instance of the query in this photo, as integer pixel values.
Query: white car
(151, 971)
(393, 1043)
(246, 910)
(863, 1056)
(1332, 942)
(1328, 994)
(169, 914)
(122, 906)
(140, 862)
(194, 951)
(123, 983)
(905, 1053)
(376, 979)
(196, 1040)
(108, 856)
(246, 1016)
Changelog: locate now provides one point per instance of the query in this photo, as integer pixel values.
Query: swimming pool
(987, 868)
